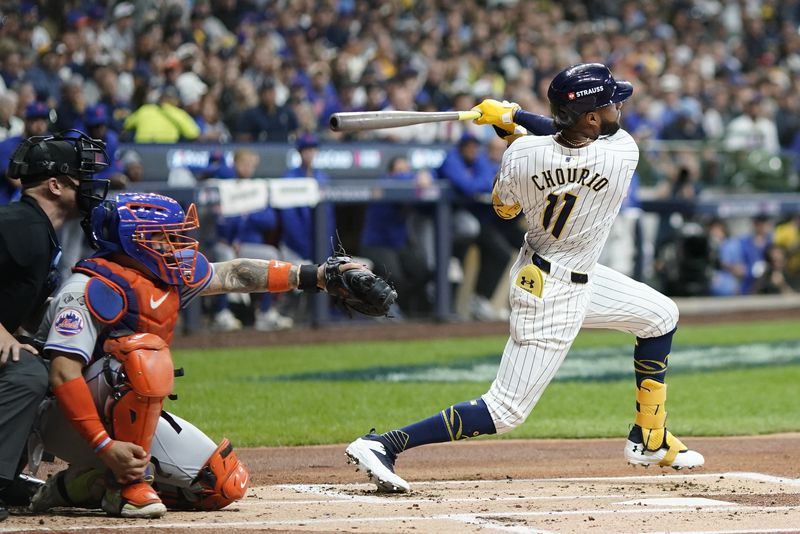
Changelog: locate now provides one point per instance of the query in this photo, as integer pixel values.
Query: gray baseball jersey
(68, 326)
(570, 197)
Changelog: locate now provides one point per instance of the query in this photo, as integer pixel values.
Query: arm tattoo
(243, 275)
(238, 276)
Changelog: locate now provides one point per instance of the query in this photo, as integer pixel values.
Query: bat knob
(335, 122)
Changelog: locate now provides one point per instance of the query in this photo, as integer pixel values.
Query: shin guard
(651, 416)
(148, 378)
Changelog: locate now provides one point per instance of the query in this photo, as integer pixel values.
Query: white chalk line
(399, 499)
(481, 519)
(330, 490)
(747, 531)
(487, 516)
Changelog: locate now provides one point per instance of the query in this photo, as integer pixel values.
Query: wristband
(278, 276)
(307, 279)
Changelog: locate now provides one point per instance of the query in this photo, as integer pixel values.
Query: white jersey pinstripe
(596, 176)
(570, 198)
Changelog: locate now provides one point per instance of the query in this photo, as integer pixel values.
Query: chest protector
(122, 297)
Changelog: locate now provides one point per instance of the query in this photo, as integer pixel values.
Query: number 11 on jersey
(553, 201)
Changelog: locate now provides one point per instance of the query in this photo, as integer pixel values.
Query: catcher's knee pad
(148, 378)
(223, 480)
(651, 413)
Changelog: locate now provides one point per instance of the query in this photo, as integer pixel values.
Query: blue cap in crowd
(307, 141)
(37, 110)
(95, 116)
(468, 137)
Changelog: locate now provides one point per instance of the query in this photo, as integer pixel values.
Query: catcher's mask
(151, 229)
(70, 153)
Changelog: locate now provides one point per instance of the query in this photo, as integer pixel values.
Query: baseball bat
(373, 120)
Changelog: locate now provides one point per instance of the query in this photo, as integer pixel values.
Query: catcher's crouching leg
(221, 481)
(134, 413)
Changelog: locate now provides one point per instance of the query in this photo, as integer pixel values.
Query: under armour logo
(529, 283)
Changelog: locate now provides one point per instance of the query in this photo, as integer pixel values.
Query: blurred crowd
(222, 71)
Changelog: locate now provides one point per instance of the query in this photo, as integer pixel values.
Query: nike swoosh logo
(243, 483)
(154, 304)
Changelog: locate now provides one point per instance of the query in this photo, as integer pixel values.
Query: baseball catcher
(107, 334)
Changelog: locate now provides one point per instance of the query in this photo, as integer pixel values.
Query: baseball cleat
(137, 500)
(371, 455)
(70, 487)
(672, 454)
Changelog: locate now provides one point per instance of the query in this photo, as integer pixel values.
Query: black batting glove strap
(307, 279)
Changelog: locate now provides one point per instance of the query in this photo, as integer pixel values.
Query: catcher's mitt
(358, 289)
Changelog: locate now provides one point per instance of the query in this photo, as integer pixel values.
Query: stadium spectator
(470, 172)
(725, 261)
(69, 113)
(44, 76)
(111, 96)
(773, 280)
(787, 236)
(754, 129)
(10, 124)
(163, 122)
(96, 120)
(132, 166)
(37, 122)
(754, 248)
(394, 251)
(267, 121)
(227, 244)
(297, 224)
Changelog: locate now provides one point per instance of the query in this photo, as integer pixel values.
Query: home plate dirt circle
(749, 484)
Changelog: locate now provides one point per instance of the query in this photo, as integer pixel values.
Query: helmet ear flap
(97, 225)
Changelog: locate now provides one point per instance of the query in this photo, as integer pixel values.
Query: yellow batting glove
(503, 211)
(496, 113)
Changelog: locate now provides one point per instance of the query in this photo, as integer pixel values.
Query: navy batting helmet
(582, 88)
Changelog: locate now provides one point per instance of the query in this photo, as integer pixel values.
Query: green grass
(225, 392)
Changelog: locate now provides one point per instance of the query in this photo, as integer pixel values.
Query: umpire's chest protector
(121, 296)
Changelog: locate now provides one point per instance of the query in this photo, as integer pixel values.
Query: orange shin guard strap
(278, 276)
(76, 402)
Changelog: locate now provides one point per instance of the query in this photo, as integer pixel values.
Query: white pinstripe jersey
(570, 196)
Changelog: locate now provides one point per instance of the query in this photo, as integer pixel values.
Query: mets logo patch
(69, 322)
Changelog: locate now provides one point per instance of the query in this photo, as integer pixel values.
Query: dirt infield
(749, 484)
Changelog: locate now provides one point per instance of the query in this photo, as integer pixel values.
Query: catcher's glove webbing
(358, 289)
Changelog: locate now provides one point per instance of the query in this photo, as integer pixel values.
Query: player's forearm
(75, 400)
(245, 275)
(535, 124)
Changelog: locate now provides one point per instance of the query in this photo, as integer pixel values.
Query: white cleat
(636, 454)
(370, 455)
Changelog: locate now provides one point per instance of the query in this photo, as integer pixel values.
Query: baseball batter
(570, 186)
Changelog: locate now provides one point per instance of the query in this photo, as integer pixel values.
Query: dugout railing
(354, 170)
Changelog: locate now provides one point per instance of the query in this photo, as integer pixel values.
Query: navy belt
(544, 265)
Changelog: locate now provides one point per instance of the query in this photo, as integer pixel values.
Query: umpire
(56, 175)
